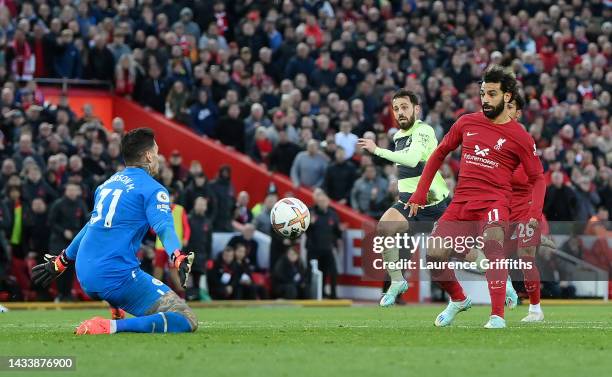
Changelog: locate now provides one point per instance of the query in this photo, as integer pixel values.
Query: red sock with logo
(447, 280)
(496, 277)
(532, 280)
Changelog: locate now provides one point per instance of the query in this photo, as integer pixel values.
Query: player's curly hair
(498, 74)
(135, 143)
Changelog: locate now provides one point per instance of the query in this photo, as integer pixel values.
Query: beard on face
(493, 112)
(406, 123)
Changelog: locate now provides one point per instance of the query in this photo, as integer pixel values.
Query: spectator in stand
(340, 177)
(245, 288)
(26, 149)
(67, 216)
(224, 192)
(246, 239)
(289, 277)
(176, 164)
(262, 146)
(560, 201)
(301, 63)
(369, 191)
(200, 186)
(8, 169)
(309, 166)
(587, 200)
(36, 229)
(322, 238)
(281, 123)
(283, 154)
(101, 60)
(203, 115)
(200, 241)
(262, 220)
(252, 122)
(177, 108)
(20, 58)
(67, 62)
(242, 213)
(36, 187)
(230, 129)
(346, 139)
(152, 92)
(125, 76)
(222, 277)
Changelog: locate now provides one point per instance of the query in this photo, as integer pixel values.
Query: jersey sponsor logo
(472, 133)
(165, 208)
(499, 144)
(480, 161)
(481, 152)
(163, 197)
(157, 282)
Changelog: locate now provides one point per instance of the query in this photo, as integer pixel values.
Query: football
(290, 218)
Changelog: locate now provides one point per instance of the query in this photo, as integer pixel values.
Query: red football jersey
(490, 153)
(521, 190)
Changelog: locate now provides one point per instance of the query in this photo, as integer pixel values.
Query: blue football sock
(154, 323)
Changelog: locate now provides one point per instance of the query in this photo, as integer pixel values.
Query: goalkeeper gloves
(44, 273)
(182, 261)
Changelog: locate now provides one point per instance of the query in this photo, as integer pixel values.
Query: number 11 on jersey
(108, 219)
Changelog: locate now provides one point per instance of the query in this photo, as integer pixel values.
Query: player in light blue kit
(125, 206)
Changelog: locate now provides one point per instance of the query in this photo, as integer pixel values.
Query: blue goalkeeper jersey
(125, 206)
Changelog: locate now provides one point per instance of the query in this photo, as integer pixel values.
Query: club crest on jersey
(481, 152)
(500, 142)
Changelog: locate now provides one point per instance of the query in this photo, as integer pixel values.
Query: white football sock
(535, 308)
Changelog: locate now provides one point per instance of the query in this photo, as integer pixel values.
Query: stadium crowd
(293, 84)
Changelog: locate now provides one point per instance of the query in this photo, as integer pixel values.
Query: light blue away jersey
(125, 206)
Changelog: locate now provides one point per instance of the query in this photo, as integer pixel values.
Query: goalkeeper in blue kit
(104, 251)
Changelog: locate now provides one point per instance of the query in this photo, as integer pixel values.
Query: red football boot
(94, 326)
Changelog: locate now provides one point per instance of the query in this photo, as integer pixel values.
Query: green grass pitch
(353, 341)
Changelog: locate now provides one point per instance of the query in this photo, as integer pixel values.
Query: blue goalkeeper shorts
(136, 295)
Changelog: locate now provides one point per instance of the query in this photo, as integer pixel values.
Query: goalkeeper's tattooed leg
(172, 303)
(169, 314)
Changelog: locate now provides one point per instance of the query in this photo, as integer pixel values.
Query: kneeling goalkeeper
(104, 251)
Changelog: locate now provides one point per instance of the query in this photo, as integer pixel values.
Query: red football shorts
(519, 218)
(472, 218)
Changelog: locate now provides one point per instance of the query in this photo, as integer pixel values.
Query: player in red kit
(525, 239)
(492, 145)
